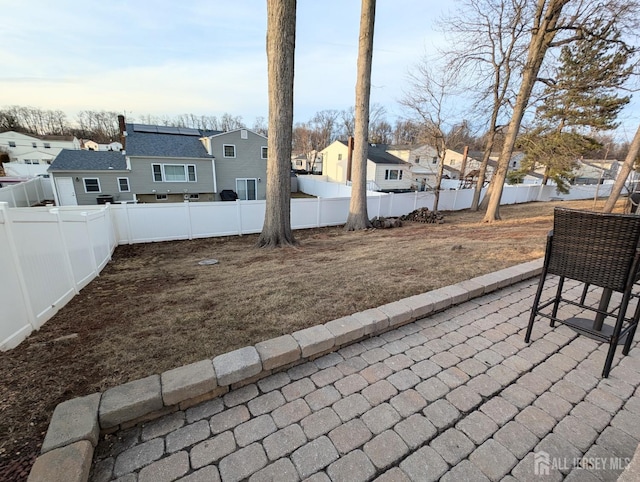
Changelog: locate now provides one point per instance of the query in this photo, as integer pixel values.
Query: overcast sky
(202, 57)
(205, 57)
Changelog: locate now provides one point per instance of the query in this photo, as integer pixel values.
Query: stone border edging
(76, 424)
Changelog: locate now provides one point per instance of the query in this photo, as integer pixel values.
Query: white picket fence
(27, 193)
(49, 254)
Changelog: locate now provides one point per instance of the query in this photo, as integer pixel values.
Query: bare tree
(358, 217)
(554, 23)
(431, 98)
(281, 41)
(485, 46)
(260, 126)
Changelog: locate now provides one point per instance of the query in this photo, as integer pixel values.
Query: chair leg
(613, 341)
(632, 330)
(584, 293)
(536, 302)
(556, 304)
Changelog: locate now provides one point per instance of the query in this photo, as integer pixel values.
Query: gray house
(240, 162)
(165, 164)
(90, 177)
(173, 164)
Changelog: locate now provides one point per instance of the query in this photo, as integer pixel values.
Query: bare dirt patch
(154, 307)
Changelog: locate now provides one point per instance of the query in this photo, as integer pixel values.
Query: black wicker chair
(596, 249)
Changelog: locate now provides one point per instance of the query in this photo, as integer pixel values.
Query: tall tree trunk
(543, 33)
(281, 40)
(482, 172)
(358, 217)
(625, 170)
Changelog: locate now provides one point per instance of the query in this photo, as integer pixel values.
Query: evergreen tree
(582, 100)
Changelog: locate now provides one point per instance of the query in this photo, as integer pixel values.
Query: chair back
(595, 248)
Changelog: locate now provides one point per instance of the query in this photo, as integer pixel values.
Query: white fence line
(27, 193)
(48, 256)
(52, 253)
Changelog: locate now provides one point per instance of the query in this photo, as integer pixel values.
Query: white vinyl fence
(49, 254)
(27, 193)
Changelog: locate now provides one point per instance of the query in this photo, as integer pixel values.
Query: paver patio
(457, 395)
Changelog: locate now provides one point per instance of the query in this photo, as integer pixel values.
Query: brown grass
(154, 308)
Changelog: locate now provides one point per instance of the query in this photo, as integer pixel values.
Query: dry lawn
(154, 307)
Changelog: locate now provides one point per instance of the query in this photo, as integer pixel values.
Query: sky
(203, 57)
(206, 57)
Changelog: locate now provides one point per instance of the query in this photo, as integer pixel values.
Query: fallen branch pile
(385, 223)
(423, 215)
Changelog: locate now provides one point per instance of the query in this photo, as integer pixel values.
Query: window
(339, 157)
(47, 145)
(244, 134)
(157, 173)
(12, 144)
(514, 163)
(417, 160)
(27, 161)
(393, 174)
(123, 184)
(263, 152)
(247, 189)
(229, 150)
(33, 144)
(36, 161)
(174, 173)
(161, 197)
(194, 196)
(299, 163)
(91, 184)
(434, 160)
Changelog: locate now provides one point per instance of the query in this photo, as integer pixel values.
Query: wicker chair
(596, 249)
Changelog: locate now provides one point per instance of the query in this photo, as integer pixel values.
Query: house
(95, 146)
(310, 162)
(424, 163)
(168, 164)
(175, 164)
(35, 150)
(385, 172)
(240, 162)
(165, 164)
(90, 177)
(594, 171)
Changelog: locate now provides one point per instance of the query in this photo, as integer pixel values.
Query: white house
(95, 146)
(32, 154)
(385, 172)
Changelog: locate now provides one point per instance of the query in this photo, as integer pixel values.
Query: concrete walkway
(457, 396)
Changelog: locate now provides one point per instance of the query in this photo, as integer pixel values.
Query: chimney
(122, 130)
(349, 157)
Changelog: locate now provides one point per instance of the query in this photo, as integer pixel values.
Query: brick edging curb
(76, 424)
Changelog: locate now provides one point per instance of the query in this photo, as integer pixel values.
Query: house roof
(378, 155)
(161, 141)
(81, 160)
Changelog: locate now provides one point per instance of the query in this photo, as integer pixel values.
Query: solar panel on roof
(144, 128)
(168, 130)
(188, 131)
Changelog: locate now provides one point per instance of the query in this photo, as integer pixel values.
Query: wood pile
(423, 215)
(386, 223)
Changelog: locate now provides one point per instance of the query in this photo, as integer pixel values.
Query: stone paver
(314, 456)
(454, 396)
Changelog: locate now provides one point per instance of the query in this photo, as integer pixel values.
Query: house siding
(404, 183)
(141, 178)
(247, 164)
(108, 185)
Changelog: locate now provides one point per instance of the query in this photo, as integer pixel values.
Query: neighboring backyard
(154, 307)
